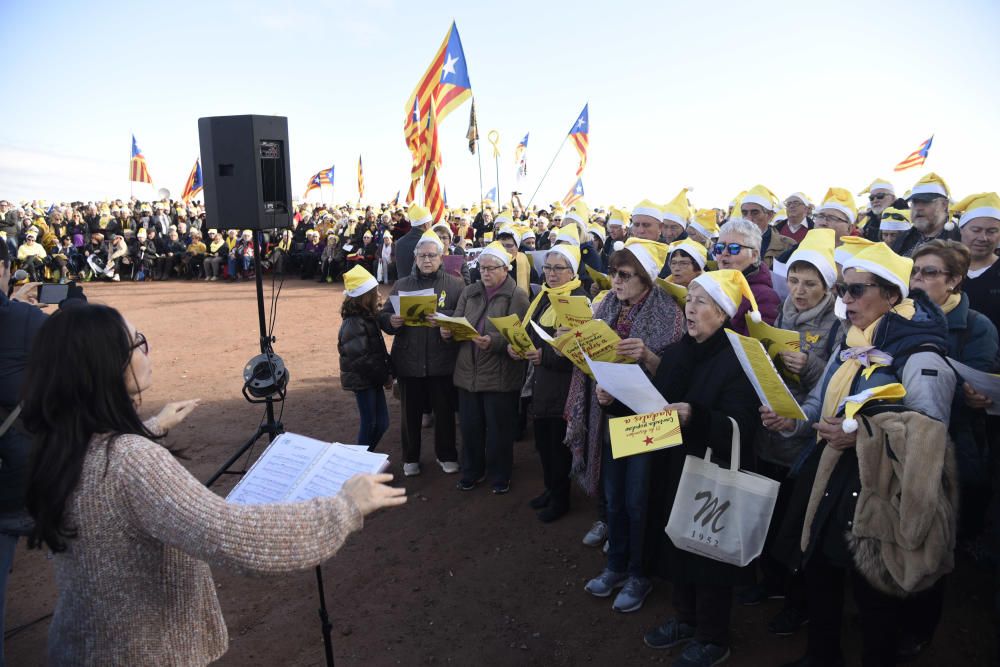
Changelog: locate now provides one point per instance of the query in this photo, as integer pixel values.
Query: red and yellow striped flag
(433, 199)
(361, 180)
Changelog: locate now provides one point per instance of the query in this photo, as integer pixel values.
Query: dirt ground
(451, 577)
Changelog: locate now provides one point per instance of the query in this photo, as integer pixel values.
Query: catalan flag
(575, 193)
(361, 180)
(414, 140)
(319, 179)
(579, 134)
(138, 169)
(446, 80)
(917, 157)
(433, 199)
(194, 183)
(519, 152)
(395, 202)
(491, 196)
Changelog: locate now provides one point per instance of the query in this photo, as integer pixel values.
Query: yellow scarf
(548, 318)
(951, 303)
(216, 244)
(855, 356)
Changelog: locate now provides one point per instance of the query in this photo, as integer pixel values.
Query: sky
(716, 96)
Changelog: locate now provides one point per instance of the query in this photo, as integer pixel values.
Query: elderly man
(758, 206)
(798, 207)
(420, 221)
(837, 212)
(980, 229)
(929, 214)
(881, 195)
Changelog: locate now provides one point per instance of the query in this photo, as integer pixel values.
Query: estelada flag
(194, 183)
(138, 169)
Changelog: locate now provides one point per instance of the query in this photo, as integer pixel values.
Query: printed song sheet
(629, 384)
(760, 370)
(986, 384)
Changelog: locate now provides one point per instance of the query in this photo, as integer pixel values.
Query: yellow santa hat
(598, 231)
(578, 213)
(525, 231)
(677, 209)
(880, 260)
(801, 196)
(839, 199)
(510, 229)
(853, 404)
(496, 249)
(618, 217)
(879, 184)
(418, 215)
(849, 247)
(706, 223)
(651, 254)
(816, 249)
(895, 220)
(569, 234)
(761, 196)
(982, 205)
(930, 186)
(696, 251)
(570, 252)
(505, 217)
(430, 237)
(358, 281)
(649, 209)
(728, 288)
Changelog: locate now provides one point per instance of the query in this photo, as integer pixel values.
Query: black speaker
(246, 171)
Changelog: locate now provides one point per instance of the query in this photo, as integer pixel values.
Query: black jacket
(405, 247)
(550, 379)
(906, 244)
(364, 362)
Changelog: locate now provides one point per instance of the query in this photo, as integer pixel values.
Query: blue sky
(717, 96)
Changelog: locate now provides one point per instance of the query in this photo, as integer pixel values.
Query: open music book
(295, 468)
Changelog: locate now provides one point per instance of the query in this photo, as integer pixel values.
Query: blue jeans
(244, 262)
(374, 416)
(626, 491)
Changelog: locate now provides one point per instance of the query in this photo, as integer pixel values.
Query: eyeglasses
(928, 272)
(489, 269)
(426, 257)
(894, 216)
(140, 343)
(553, 269)
(623, 276)
(826, 217)
(681, 263)
(856, 290)
(732, 248)
(878, 197)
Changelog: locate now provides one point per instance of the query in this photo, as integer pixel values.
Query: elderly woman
(550, 378)
(31, 256)
(647, 320)
(488, 380)
(686, 261)
(216, 257)
(891, 339)
(701, 379)
(939, 269)
(738, 248)
(423, 363)
(386, 258)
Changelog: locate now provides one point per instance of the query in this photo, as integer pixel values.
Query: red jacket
(767, 299)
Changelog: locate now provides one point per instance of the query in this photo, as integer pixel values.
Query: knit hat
(677, 209)
(881, 261)
(570, 234)
(651, 254)
(895, 220)
(649, 209)
(982, 205)
(696, 251)
(706, 223)
(761, 196)
(358, 281)
(849, 247)
(839, 199)
(430, 237)
(570, 252)
(497, 250)
(817, 249)
(853, 404)
(728, 288)
(418, 215)
(878, 184)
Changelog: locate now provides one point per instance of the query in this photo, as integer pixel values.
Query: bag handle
(734, 448)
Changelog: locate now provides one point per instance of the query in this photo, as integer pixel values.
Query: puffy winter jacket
(364, 362)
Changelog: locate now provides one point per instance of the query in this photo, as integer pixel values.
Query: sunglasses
(730, 248)
(894, 216)
(623, 276)
(878, 197)
(140, 343)
(928, 272)
(856, 290)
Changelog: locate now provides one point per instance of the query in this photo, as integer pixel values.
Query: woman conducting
(133, 533)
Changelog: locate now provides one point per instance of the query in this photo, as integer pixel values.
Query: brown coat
(491, 369)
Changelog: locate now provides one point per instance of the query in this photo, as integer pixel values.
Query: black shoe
(668, 635)
(554, 511)
(467, 485)
(500, 488)
(541, 501)
(787, 622)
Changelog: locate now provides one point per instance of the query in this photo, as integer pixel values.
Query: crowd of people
(884, 299)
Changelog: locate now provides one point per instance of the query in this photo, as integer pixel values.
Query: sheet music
(394, 298)
(339, 464)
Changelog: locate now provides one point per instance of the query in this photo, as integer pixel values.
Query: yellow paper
(638, 434)
(571, 311)
(602, 280)
(595, 338)
(760, 370)
(510, 328)
(775, 340)
(679, 293)
(460, 328)
(415, 309)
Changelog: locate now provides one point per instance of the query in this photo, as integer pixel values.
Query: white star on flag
(449, 65)
(580, 122)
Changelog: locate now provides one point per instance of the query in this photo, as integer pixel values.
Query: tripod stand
(272, 428)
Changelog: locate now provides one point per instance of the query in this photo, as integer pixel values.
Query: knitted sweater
(135, 586)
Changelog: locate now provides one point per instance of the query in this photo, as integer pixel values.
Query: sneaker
(596, 535)
(449, 467)
(214, 278)
(668, 635)
(604, 584)
(632, 595)
(427, 421)
(501, 488)
(540, 502)
(466, 485)
(411, 469)
(787, 622)
(116, 278)
(697, 654)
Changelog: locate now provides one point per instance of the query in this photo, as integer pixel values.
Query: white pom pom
(949, 225)
(755, 315)
(849, 425)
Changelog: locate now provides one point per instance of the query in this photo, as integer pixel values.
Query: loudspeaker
(246, 172)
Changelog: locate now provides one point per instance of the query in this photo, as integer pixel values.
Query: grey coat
(491, 369)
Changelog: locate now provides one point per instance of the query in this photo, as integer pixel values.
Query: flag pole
(130, 195)
(479, 157)
(558, 150)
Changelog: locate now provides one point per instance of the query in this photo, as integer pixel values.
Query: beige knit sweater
(135, 586)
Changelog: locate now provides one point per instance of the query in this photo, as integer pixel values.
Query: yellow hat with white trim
(853, 404)
(418, 215)
(358, 281)
(930, 186)
(570, 252)
(816, 249)
(496, 249)
(879, 184)
(651, 254)
(728, 288)
(696, 251)
(430, 237)
(982, 205)
(677, 209)
(648, 209)
(569, 234)
(618, 217)
(849, 247)
(895, 220)
(706, 223)
(598, 231)
(761, 196)
(839, 199)
(880, 260)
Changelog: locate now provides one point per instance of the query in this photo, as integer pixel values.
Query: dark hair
(365, 305)
(953, 255)
(890, 291)
(74, 387)
(625, 259)
(801, 265)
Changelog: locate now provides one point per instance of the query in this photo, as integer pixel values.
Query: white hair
(749, 231)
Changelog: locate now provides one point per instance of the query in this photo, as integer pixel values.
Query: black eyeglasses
(928, 272)
(140, 343)
(624, 276)
(894, 216)
(878, 197)
(856, 290)
(732, 248)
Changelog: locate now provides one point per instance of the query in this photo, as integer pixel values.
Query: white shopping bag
(722, 514)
